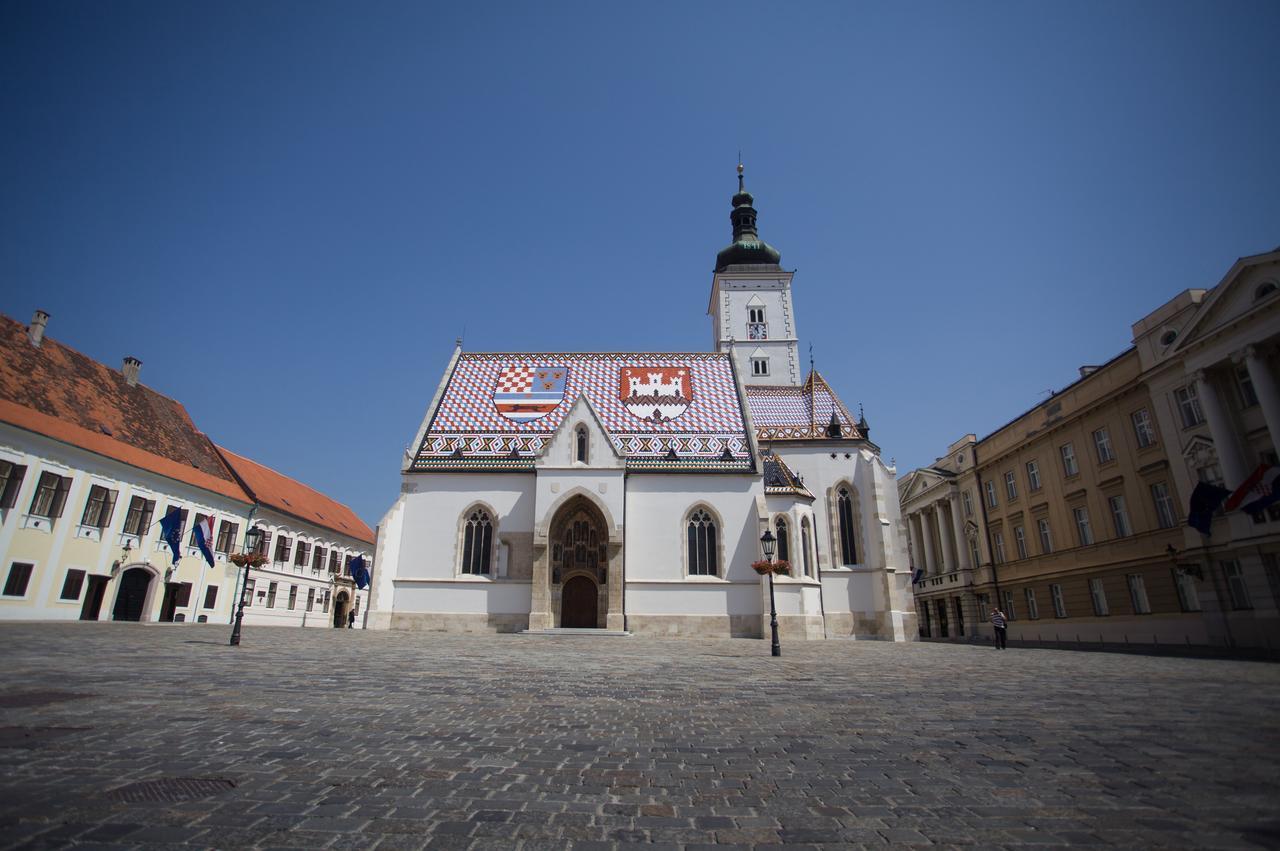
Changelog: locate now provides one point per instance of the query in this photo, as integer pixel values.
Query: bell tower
(750, 308)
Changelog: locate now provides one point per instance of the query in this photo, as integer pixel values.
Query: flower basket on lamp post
(247, 558)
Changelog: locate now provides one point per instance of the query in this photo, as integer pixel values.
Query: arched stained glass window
(703, 553)
(844, 512)
(784, 545)
(477, 543)
(805, 548)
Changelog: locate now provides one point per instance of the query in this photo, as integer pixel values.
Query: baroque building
(629, 491)
(91, 459)
(1073, 516)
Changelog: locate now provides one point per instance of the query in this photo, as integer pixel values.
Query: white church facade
(628, 492)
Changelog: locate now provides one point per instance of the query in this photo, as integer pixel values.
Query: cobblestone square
(352, 739)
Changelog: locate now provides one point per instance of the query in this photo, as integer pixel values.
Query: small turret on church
(750, 305)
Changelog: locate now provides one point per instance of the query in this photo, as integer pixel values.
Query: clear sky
(289, 210)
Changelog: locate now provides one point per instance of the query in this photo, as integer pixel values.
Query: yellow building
(1073, 516)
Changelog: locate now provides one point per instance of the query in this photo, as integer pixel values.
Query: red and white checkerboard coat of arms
(656, 394)
(528, 393)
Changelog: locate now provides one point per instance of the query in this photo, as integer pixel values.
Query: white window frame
(998, 541)
(992, 500)
(1033, 606)
(1163, 500)
(1244, 386)
(1102, 444)
(1237, 587)
(759, 366)
(1010, 485)
(1046, 535)
(1119, 516)
(1059, 603)
(967, 499)
(1069, 466)
(1009, 613)
(1020, 540)
(1142, 428)
(1188, 402)
(1033, 475)
(1138, 593)
(1098, 593)
(1188, 594)
(1084, 531)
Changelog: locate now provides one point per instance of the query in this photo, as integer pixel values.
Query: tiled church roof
(500, 410)
(784, 412)
(778, 477)
(56, 391)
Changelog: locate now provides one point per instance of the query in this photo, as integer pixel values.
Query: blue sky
(289, 211)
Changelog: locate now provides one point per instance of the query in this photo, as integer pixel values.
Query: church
(628, 492)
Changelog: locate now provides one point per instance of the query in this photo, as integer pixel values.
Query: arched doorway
(341, 604)
(579, 604)
(131, 597)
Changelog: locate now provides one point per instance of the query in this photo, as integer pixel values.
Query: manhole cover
(33, 737)
(171, 789)
(37, 698)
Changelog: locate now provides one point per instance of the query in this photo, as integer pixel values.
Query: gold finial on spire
(740, 170)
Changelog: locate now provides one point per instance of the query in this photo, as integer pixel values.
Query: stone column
(930, 554)
(1267, 391)
(945, 525)
(540, 608)
(963, 559)
(917, 542)
(1233, 468)
(613, 620)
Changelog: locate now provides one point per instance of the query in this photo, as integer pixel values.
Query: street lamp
(768, 542)
(249, 558)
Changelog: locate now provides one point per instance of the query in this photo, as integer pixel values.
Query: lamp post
(252, 540)
(768, 542)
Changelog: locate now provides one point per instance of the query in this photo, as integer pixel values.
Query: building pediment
(1243, 290)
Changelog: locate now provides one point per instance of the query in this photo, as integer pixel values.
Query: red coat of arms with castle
(656, 394)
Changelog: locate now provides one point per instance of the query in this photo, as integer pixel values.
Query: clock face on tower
(757, 331)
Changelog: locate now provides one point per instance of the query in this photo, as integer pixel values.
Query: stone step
(615, 633)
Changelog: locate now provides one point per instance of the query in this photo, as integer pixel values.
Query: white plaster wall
(730, 323)
(433, 504)
(606, 486)
(720, 598)
(471, 597)
(656, 508)
(851, 591)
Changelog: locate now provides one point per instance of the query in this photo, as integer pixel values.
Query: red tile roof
(784, 412)
(56, 391)
(292, 497)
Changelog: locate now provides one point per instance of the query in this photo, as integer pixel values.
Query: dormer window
(580, 444)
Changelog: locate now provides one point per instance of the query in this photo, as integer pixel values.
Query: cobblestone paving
(349, 739)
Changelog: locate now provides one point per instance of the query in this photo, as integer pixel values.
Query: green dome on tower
(747, 249)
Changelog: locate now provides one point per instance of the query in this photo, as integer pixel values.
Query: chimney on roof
(38, 323)
(130, 370)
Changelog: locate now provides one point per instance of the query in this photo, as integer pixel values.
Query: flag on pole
(204, 539)
(1242, 493)
(1268, 491)
(171, 531)
(359, 572)
(1205, 500)
(918, 577)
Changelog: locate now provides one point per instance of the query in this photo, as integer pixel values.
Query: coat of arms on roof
(655, 394)
(527, 393)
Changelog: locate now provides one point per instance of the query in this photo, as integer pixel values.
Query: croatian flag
(1267, 490)
(204, 539)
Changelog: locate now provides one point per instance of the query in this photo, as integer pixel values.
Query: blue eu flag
(171, 532)
(359, 572)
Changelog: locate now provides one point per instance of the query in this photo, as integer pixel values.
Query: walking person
(351, 619)
(1001, 625)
